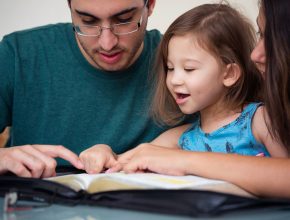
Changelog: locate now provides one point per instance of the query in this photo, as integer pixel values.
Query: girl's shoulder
(252, 107)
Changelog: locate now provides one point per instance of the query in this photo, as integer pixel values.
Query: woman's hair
(277, 76)
(227, 35)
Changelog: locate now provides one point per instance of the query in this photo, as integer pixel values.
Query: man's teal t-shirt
(50, 94)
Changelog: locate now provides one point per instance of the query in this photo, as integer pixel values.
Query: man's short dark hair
(69, 1)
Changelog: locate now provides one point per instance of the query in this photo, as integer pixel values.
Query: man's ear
(232, 74)
(151, 5)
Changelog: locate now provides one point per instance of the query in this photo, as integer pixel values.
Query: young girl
(259, 175)
(205, 68)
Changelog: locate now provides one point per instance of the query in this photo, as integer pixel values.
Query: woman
(268, 177)
(273, 22)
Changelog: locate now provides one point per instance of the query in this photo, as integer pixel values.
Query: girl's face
(194, 76)
(258, 54)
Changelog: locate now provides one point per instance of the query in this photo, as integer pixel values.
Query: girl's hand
(152, 158)
(98, 158)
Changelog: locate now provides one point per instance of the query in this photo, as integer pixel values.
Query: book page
(120, 181)
(76, 181)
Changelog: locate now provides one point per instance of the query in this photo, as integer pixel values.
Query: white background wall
(22, 14)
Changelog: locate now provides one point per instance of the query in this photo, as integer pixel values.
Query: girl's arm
(167, 140)
(262, 134)
(170, 137)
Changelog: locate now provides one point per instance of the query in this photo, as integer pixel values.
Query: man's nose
(107, 39)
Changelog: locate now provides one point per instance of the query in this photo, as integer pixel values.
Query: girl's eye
(169, 69)
(189, 69)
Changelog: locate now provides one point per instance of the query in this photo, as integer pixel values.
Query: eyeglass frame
(77, 30)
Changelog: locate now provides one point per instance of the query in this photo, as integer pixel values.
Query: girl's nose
(175, 78)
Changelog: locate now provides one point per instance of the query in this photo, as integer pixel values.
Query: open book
(93, 183)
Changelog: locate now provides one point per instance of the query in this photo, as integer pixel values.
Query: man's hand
(35, 160)
(98, 158)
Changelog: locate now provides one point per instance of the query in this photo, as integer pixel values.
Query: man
(67, 87)
(3, 137)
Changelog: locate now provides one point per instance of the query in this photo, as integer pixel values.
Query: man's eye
(124, 20)
(88, 21)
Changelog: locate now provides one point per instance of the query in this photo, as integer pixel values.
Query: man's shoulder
(154, 33)
(153, 36)
(44, 30)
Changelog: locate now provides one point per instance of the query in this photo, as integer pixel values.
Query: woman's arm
(261, 132)
(260, 176)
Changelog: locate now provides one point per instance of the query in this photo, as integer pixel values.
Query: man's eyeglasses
(117, 29)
